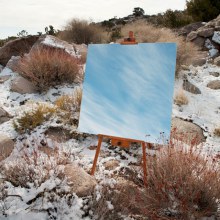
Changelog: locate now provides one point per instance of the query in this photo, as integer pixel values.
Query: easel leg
(96, 155)
(144, 163)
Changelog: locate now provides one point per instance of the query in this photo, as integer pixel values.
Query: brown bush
(147, 33)
(217, 132)
(181, 98)
(46, 67)
(82, 32)
(182, 183)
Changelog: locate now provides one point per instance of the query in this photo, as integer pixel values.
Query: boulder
(214, 84)
(189, 87)
(206, 32)
(216, 37)
(79, 181)
(199, 41)
(13, 63)
(48, 41)
(4, 116)
(16, 48)
(217, 61)
(189, 28)
(198, 61)
(22, 86)
(191, 36)
(6, 146)
(4, 78)
(186, 132)
(215, 74)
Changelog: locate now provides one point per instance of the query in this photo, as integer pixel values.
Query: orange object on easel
(130, 39)
(118, 141)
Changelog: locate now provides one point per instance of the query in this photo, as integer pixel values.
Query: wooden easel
(118, 141)
(122, 142)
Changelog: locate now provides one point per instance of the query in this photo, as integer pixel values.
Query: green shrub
(203, 10)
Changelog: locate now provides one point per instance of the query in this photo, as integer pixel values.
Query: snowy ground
(203, 109)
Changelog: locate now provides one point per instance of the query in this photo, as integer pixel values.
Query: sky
(34, 15)
(128, 90)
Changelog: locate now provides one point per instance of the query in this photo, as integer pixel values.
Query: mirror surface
(128, 91)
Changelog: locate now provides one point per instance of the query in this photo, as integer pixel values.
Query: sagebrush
(81, 31)
(181, 98)
(46, 67)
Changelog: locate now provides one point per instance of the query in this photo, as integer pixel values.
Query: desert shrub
(181, 98)
(115, 34)
(33, 168)
(31, 119)
(82, 32)
(147, 33)
(46, 67)
(217, 132)
(182, 184)
(174, 19)
(67, 106)
(70, 102)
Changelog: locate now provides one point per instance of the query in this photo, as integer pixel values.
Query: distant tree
(50, 30)
(137, 12)
(203, 10)
(39, 33)
(22, 33)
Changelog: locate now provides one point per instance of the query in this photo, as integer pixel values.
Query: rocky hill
(45, 163)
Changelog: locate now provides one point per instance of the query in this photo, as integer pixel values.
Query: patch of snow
(51, 41)
(203, 109)
(109, 205)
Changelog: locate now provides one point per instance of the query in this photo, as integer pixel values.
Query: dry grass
(31, 119)
(83, 32)
(70, 103)
(46, 67)
(217, 132)
(181, 98)
(147, 33)
(182, 184)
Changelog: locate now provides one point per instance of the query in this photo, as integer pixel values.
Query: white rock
(22, 86)
(216, 37)
(6, 146)
(213, 52)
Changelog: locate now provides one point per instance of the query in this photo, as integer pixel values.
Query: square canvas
(128, 91)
